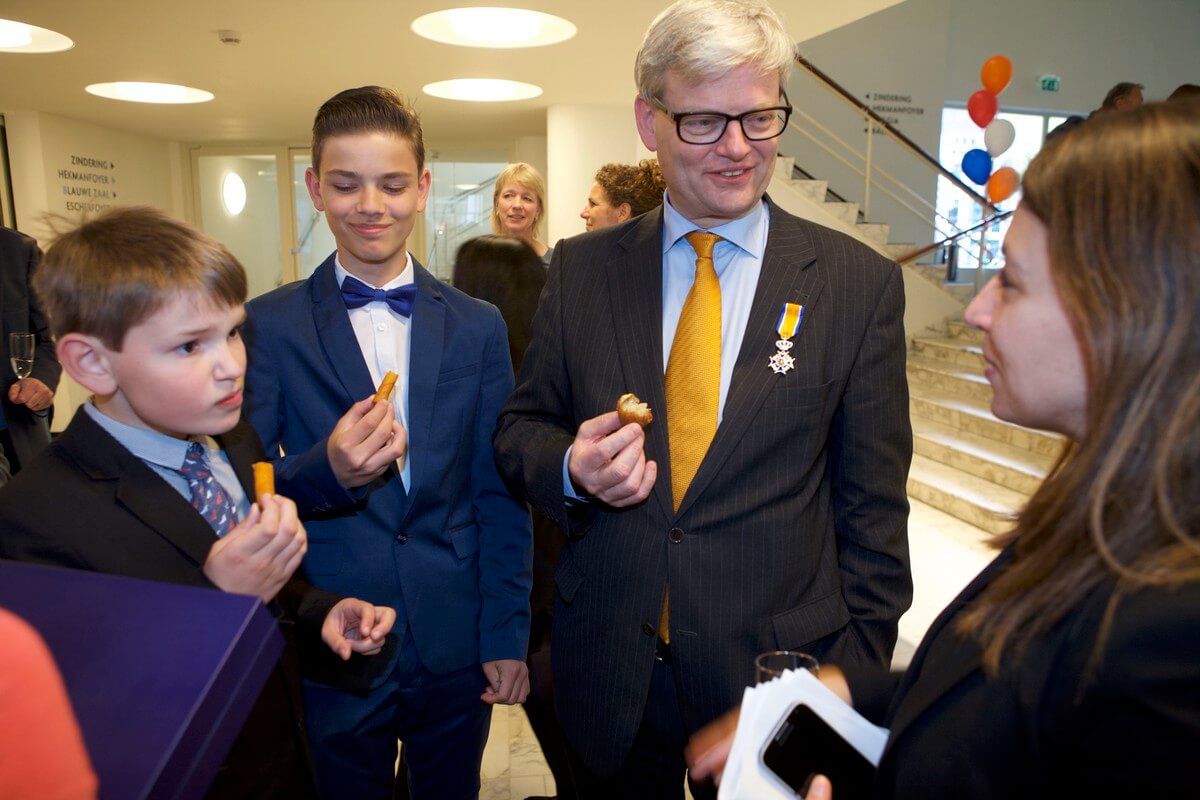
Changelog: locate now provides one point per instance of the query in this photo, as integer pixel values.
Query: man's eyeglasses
(707, 127)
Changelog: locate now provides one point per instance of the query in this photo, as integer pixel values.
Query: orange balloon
(996, 74)
(1002, 184)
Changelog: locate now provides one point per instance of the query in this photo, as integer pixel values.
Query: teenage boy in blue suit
(416, 516)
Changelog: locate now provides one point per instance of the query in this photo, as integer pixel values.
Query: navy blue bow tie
(357, 294)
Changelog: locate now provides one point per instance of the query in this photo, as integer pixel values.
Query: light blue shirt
(738, 262)
(165, 454)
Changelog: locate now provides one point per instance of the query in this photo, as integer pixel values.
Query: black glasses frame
(679, 117)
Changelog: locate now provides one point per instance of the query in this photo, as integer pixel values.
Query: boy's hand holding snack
(259, 555)
(365, 442)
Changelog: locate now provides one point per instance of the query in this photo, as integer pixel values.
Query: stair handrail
(891, 131)
(929, 248)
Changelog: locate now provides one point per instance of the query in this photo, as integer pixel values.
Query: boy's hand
(259, 555)
(508, 682)
(31, 393)
(356, 626)
(365, 442)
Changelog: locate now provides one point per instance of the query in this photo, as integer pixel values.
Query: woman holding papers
(1071, 666)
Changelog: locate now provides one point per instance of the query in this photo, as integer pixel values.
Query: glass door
(237, 194)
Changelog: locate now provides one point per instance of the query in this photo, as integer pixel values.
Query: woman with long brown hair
(1071, 665)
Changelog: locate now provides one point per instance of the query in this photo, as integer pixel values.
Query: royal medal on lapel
(790, 320)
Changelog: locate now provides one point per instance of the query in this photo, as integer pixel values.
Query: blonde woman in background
(519, 206)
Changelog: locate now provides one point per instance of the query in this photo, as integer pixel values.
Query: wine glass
(20, 354)
(770, 665)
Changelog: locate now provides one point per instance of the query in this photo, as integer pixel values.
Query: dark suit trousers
(441, 719)
(654, 769)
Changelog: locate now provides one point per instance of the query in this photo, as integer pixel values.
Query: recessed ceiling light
(493, 27)
(17, 37)
(466, 187)
(141, 92)
(482, 90)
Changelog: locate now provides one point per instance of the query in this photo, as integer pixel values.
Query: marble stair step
(958, 329)
(875, 231)
(974, 500)
(1012, 467)
(950, 350)
(951, 378)
(973, 417)
(898, 250)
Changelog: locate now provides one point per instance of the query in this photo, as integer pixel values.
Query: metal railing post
(867, 187)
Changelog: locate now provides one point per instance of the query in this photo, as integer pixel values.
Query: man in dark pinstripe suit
(792, 532)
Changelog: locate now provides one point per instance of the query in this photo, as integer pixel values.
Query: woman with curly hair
(621, 192)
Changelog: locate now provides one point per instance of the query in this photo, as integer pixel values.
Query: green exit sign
(1049, 83)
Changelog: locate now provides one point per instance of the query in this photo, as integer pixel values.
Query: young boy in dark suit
(417, 517)
(152, 478)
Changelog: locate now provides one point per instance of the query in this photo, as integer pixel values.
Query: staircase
(966, 462)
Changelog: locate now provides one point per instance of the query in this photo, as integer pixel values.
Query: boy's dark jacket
(88, 503)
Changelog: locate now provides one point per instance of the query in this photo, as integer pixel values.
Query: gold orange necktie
(693, 380)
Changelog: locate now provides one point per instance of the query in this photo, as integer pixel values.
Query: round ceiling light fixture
(482, 90)
(493, 27)
(17, 37)
(142, 92)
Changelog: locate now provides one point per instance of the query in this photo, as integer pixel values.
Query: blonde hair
(1120, 199)
(703, 39)
(113, 272)
(524, 175)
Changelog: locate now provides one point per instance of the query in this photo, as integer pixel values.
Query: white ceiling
(294, 54)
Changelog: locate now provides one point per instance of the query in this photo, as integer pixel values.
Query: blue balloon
(977, 165)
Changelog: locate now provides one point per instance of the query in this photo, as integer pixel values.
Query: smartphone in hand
(805, 745)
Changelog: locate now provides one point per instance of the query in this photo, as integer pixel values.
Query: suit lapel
(426, 338)
(635, 291)
(785, 277)
(337, 335)
(924, 683)
(143, 493)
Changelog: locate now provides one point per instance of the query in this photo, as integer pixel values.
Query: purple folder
(161, 677)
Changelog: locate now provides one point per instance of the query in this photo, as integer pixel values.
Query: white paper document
(764, 707)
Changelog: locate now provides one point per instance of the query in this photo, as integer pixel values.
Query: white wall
(252, 235)
(1090, 44)
(580, 140)
(70, 168)
(930, 52)
(67, 167)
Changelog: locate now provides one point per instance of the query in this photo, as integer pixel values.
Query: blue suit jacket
(452, 554)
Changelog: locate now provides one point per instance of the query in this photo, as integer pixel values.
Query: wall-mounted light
(144, 92)
(482, 90)
(17, 37)
(233, 193)
(493, 27)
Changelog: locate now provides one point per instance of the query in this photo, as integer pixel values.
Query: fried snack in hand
(386, 386)
(630, 409)
(264, 479)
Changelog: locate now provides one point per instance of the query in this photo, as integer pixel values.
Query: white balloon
(998, 136)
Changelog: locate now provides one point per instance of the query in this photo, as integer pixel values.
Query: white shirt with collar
(385, 339)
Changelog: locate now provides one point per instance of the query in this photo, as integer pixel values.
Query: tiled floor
(946, 554)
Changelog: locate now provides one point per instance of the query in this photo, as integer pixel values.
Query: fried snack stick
(630, 409)
(264, 479)
(386, 386)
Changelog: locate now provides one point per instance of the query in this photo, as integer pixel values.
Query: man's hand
(31, 393)
(508, 682)
(259, 555)
(365, 442)
(608, 461)
(709, 747)
(356, 626)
